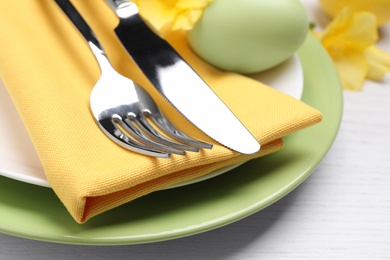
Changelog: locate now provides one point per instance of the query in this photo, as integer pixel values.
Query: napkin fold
(49, 72)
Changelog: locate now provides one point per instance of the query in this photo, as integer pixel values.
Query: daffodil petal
(352, 70)
(175, 14)
(362, 31)
(318, 35)
(191, 4)
(381, 8)
(184, 21)
(378, 62)
(349, 32)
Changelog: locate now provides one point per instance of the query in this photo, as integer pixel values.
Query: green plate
(35, 212)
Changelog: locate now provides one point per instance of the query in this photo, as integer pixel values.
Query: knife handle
(80, 23)
(116, 3)
(123, 8)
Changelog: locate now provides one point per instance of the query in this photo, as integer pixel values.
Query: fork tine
(144, 124)
(165, 125)
(119, 137)
(151, 110)
(127, 124)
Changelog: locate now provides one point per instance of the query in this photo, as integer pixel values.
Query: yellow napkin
(49, 72)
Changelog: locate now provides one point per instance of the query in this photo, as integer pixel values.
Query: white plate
(19, 161)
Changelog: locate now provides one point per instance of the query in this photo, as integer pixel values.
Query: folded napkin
(49, 72)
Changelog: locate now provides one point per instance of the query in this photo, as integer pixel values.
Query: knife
(177, 82)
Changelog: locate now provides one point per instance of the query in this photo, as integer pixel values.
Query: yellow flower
(378, 61)
(350, 40)
(176, 14)
(380, 8)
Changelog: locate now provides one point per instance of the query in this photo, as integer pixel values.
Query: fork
(121, 108)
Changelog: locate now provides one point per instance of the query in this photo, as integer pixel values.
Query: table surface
(341, 212)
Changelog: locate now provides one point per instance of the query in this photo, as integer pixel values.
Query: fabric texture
(49, 72)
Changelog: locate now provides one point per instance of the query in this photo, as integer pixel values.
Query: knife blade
(177, 82)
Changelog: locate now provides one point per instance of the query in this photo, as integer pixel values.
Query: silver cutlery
(122, 109)
(178, 82)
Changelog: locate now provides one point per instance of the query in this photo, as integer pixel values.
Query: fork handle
(78, 21)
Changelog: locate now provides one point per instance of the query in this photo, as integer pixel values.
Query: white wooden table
(341, 212)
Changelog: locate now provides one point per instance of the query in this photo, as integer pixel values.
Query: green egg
(248, 36)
